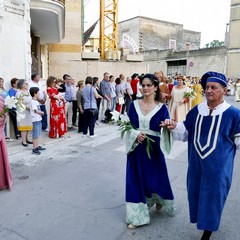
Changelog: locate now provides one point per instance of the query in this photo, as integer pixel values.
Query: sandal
(130, 226)
(158, 206)
(24, 144)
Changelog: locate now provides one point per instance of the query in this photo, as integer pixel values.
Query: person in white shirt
(139, 91)
(36, 115)
(35, 82)
(74, 89)
(128, 94)
(113, 92)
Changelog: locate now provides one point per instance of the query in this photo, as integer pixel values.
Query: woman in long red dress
(5, 170)
(58, 123)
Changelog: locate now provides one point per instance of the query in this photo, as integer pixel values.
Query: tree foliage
(214, 43)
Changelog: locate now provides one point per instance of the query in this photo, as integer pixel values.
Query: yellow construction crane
(109, 29)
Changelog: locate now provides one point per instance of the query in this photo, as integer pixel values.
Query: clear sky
(206, 16)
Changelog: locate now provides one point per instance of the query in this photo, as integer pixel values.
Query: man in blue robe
(212, 130)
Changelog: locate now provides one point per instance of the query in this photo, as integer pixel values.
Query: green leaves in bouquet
(149, 146)
(127, 126)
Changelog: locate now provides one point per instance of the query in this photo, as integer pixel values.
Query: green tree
(214, 43)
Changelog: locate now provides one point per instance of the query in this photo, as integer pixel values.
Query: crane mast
(109, 29)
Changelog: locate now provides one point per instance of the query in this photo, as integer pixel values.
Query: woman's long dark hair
(155, 82)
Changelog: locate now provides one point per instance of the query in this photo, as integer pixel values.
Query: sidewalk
(15, 146)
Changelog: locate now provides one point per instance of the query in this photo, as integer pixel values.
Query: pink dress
(5, 170)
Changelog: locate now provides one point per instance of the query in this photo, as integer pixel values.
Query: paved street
(75, 191)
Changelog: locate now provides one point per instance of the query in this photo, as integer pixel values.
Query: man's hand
(170, 124)
(108, 99)
(42, 101)
(164, 95)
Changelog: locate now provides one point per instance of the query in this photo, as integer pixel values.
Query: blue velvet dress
(211, 151)
(147, 180)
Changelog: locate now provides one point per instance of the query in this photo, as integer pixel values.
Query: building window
(187, 46)
(172, 44)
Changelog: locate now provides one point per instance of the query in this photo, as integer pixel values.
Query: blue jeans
(44, 117)
(113, 104)
(36, 131)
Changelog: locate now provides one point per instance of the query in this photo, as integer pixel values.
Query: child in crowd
(36, 115)
(60, 87)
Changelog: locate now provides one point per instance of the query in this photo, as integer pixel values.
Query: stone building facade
(68, 51)
(233, 53)
(15, 40)
(187, 63)
(26, 29)
(148, 34)
(28, 43)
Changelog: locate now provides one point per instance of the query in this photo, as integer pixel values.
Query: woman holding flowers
(5, 170)
(180, 103)
(147, 181)
(58, 122)
(24, 120)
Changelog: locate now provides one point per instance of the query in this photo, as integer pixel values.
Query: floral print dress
(58, 123)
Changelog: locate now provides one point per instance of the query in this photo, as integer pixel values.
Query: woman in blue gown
(147, 181)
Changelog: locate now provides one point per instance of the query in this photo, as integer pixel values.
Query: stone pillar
(62, 54)
(233, 53)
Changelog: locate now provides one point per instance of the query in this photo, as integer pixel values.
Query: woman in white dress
(179, 106)
(24, 120)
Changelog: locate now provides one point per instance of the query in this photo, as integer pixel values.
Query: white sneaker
(8, 139)
(46, 130)
(84, 135)
(93, 136)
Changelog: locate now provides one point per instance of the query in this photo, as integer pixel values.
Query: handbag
(93, 111)
(99, 92)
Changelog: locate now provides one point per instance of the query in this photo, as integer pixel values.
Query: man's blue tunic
(211, 151)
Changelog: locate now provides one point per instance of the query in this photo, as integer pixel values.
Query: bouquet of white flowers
(12, 103)
(190, 94)
(125, 126)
